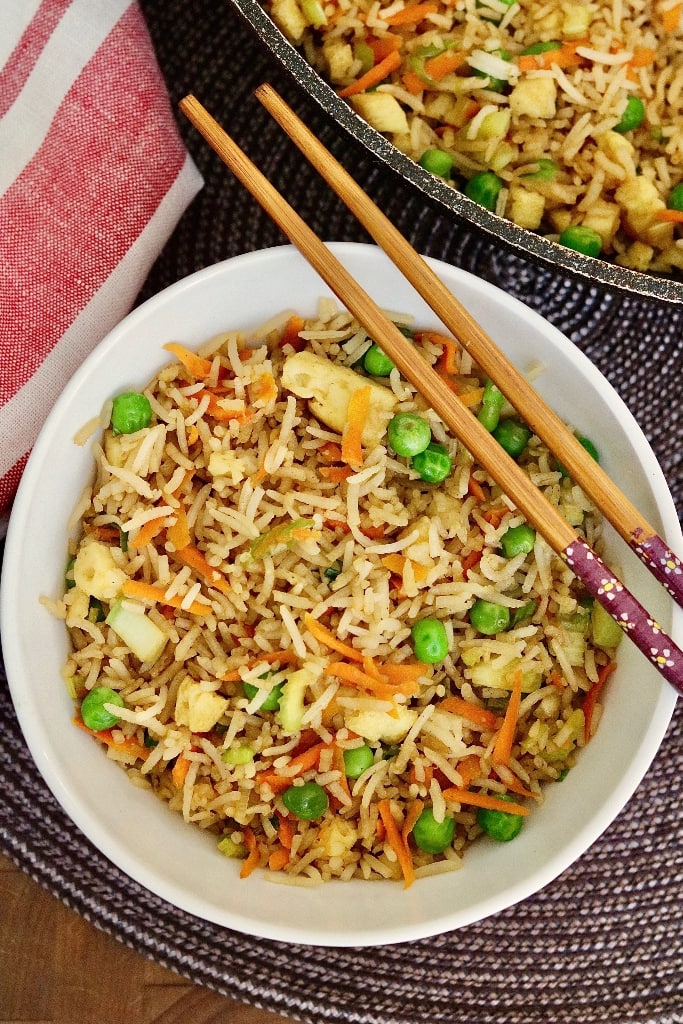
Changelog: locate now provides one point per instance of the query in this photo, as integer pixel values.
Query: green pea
(430, 640)
(433, 836)
(491, 403)
(307, 802)
(408, 434)
(489, 618)
(512, 436)
(357, 760)
(675, 200)
(581, 239)
(518, 540)
(130, 412)
(436, 161)
(272, 701)
(523, 613)
(433, 464)
(484, 188)
(547, 170)
(376, 362)
(633, 116)
(93, 712)
(500, 825)
(586, 443)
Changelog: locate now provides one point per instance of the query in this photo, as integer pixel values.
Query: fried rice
(280, 553)
(539, 95)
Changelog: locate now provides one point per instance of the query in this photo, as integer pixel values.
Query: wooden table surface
(55, 968)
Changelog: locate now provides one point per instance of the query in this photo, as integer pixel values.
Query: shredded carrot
(414, 812)
(180, 770)
(287, 657)
(506, 735)
(475, 489)
(411, 15)
(472, 712)
(193, 363)
(290, 334)
(285, 832)
(328, 639)
(563, 57)
(179, 532)
(127, 746)
(382, 46)
(591, 698)
(556, 679)
(362, 680)
(412, 83)
(147, 532)
(443, 64)
(253, 859)
(217, 412)
(374, 76)
(357, 416)
(264, 389)
(469, 768)
(405, 672)
(470, 560)
(278, 859)
(428, 773)
(397, 843)
(397, 563)
(107, 534)
(329, 452)
(674, 216)
(303, 762)
(671, 17)
(141, 591)
(512, 783)
(448, 345)
(192, 556)
(472, 397)
(335, 474)
(492, 803)
(643, 57)
(495, 516)
(260, 475)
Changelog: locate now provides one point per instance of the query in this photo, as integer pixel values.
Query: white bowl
(135, 830)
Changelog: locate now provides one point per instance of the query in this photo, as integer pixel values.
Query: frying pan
(523, 242)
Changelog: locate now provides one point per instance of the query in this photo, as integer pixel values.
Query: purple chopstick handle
(662, 562)
(646, 634)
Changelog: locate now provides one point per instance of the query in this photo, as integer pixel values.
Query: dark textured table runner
(602, 944)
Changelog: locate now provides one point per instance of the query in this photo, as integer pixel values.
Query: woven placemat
(602, 944)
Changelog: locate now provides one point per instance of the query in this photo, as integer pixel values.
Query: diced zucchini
(291, 710)
(605, 632)
(137, 631)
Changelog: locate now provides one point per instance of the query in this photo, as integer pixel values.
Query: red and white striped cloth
(93, 179)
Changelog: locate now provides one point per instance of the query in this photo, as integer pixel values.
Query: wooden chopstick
(614, 505)
(598, 579)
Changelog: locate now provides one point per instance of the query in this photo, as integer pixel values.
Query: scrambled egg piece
(96, 573)
(197, 708)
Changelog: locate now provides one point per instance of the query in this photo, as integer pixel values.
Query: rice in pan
(338, 660)
(564, 116)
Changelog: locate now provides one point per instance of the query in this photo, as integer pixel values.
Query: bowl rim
(523, 242)
(39, 739)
